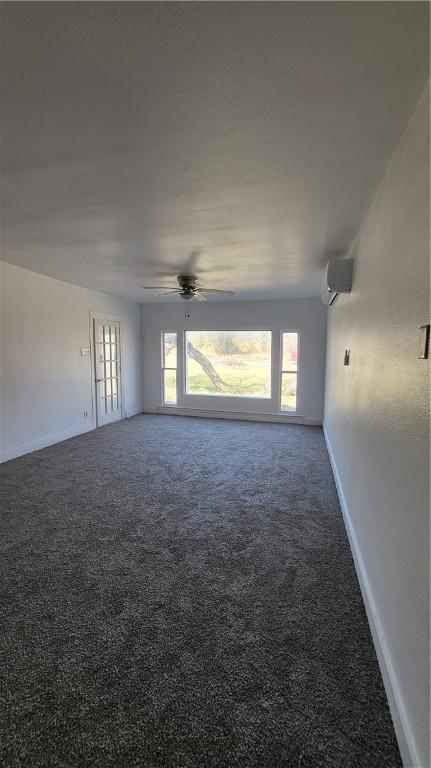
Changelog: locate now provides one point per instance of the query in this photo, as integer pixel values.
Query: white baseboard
(242, 416)
(42, 442)
(132, 412)
(57, 437)
(403, 731)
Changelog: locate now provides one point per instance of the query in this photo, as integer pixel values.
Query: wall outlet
(85, 351)
(347, 357)
(85, 414)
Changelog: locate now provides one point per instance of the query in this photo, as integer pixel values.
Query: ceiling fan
(188, 289)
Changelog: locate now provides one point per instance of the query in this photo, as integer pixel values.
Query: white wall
(45, 384)
(377, 426)
(308, 316)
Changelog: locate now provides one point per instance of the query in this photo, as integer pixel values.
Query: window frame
(281, 410)
(168, 368)
(228, 330)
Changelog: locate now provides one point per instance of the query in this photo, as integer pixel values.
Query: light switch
(85, 351)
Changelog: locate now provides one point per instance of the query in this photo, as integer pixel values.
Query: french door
(107, 358)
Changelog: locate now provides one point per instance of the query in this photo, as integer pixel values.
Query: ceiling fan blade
(190, 265)
(199, 296)
(213, 290)
(167, 293)
(159, 287)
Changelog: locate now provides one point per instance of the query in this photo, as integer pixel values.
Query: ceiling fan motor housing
(186, 281)
(188, 285)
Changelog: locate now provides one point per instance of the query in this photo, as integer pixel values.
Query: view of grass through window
(229, 363)
(289, 370)
(169, 368)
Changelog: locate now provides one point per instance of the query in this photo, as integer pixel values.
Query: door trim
(117, 319)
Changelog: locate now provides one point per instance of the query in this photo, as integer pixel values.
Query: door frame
(117, 319)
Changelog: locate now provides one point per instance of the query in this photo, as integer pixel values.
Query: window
(169, 365)
(228, 363)
(289, 370)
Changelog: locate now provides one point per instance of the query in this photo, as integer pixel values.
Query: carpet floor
(180, 592)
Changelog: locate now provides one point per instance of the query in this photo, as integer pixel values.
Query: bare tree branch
(208, 368)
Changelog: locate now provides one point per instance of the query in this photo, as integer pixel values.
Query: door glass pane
(100, 367)
(170, 387)
(107, 371)
(288, 391)
(170, 350)
(290, 352)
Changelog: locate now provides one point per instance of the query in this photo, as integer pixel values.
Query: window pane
(170, 387)
(229, 363)
(169, 350)
(290, 352)
(288, 391)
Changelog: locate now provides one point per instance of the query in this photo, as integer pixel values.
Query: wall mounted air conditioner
(338, 279)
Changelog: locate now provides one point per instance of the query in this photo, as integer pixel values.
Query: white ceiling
(244, 139)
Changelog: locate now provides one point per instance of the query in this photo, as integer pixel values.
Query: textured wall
(308, 316)
(377, 411)
(45, 383)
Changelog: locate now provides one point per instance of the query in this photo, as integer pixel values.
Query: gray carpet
(180, 592)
